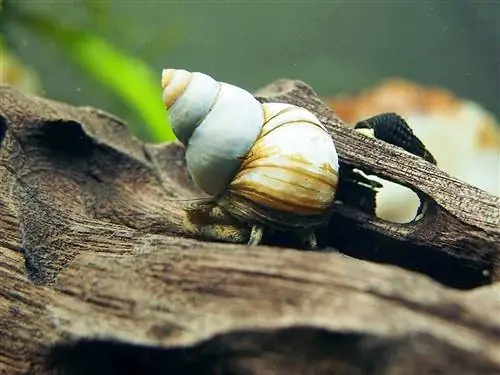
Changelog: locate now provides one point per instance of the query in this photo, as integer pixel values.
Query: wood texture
(104, 271)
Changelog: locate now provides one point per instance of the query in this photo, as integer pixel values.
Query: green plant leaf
(128, 77)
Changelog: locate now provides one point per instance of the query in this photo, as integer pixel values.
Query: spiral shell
(263, 161)
(216, 121)
(293, 166)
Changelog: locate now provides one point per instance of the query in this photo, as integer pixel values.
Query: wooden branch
(457, 242)
(103, 271)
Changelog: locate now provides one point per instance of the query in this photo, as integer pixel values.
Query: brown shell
(293, 165)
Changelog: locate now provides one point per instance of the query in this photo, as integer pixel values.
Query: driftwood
(104, 271)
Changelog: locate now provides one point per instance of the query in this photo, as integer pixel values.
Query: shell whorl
(216, 121)
(293, 166)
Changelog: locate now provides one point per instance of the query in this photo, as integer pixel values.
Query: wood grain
(104, 271)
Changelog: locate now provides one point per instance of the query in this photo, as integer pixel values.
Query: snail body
(269, 164)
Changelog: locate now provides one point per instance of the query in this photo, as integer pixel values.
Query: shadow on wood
(101, 260)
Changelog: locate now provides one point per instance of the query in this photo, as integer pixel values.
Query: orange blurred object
(463, 137)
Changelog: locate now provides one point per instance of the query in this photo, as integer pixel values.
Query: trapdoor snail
(271, 165)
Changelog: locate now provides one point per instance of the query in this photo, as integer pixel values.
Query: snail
(270, 165)
(267, 164)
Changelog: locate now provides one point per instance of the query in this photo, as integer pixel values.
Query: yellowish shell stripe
(283, 178)
(166, 77)
(266, 130)
(312, 120)
(271, 186)
(175, 91)
(260, 149)
(306, 205)
(332, 182)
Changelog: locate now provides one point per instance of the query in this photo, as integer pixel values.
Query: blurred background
(435, 62)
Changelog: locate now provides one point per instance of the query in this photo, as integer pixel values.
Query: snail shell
(257, 157)
(216, 121)
(293, 165)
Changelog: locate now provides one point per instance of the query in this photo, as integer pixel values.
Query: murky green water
(335, 46)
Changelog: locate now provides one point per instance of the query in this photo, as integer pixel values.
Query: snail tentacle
(310, 240)
(256, 235)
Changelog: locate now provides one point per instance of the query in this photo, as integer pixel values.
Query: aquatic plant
(128, 77)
